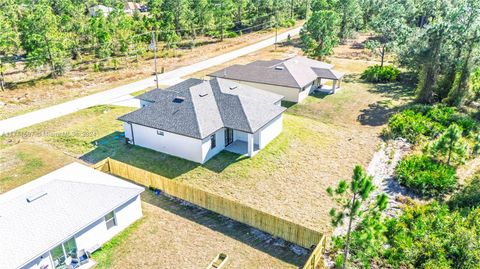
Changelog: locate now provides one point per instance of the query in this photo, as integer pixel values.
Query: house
(197, 119)
(57, 219)
(132, 7)
(93, 11)
(295, 78)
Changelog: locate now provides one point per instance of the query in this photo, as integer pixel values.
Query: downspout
(131, 131)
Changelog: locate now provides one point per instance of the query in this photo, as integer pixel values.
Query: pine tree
(352, 199)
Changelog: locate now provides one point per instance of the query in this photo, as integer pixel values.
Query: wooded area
(55, 33)
(436, 40)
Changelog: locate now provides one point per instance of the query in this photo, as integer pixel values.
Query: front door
(228, 136)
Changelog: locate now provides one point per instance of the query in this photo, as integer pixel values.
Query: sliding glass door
(61, 252)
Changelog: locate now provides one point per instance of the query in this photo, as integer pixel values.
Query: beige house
(295, 78)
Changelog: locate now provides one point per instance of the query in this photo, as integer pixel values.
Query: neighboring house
(93, 11)
(132, 7)
(56, 220)
(294, 78)
(197, 119)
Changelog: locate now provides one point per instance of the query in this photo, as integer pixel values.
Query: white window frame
(114, 218)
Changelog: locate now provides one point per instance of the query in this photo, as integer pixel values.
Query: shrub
(423, 120)
(411, 126)
(426, 176)
(431, 236)
(378, 74)
(468, 197)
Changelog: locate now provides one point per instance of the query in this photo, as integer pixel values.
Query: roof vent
(203, 94)
(233, 87)
(178, 99)
(278, 67)
(36, 196)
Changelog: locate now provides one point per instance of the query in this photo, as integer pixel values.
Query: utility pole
(276, 24)
(276, 27)
(222, 20)
(153, 46)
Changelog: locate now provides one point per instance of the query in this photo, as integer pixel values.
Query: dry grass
(323, 139)
(31, 94)
(172, 235)
(24, 162)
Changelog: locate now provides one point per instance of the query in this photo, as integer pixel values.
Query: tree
(223, 11)
(43, 40)
(350, 15)
(353, 199)
(9, 41)
(319, 34)
(450, 145)
(390, 26)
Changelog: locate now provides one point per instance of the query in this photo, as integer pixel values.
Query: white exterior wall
(173, 144)
(207, 151)
(303, 94)
(238, 135)
(267, 133)
(291, 94)
(97, 234)
(128, 130)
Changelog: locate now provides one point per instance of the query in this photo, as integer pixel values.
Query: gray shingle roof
(207, 106)
(72, 202)
(296, 72)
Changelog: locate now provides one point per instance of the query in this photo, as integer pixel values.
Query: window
(160, 133)
(110, 220)
(61, 252)
(213, 142)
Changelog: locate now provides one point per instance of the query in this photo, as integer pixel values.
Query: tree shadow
(395, 91)
(378, 113)
(114, 146)
(264, 242)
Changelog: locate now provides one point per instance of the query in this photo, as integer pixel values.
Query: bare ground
(175, 235)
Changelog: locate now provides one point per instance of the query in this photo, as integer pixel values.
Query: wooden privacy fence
(273, 225)
(316, 257)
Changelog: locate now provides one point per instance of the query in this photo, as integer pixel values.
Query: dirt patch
(174, 235)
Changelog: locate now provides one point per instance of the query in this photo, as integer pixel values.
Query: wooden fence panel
(276, 226)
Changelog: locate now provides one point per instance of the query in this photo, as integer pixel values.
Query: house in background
(93, 11)
(56, 220)
(197, 119)
(294, 78)
(132, 7)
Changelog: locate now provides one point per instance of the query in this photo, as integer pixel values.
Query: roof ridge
(245, 114)
(194, 111)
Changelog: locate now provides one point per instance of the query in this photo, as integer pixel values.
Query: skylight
(178, 99)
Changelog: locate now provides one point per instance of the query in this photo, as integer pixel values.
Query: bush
(411, 126)
(378, 74)
(423, 120)
(431, 236)
(426, 176)
(468, 197)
